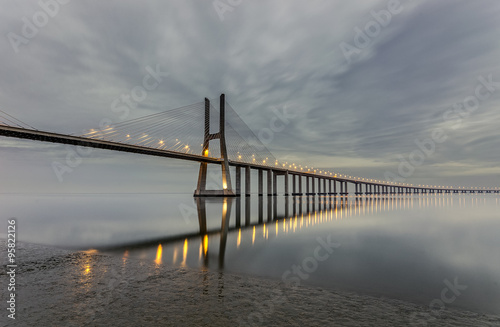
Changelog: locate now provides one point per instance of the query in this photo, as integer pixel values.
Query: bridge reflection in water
(272, 217)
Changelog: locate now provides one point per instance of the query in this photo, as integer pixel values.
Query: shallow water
(398, 253)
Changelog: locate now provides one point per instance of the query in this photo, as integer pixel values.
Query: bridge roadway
(272, 172)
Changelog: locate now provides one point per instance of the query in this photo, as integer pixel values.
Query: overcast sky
(362, 81)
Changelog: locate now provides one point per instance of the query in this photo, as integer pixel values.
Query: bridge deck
(29, 134)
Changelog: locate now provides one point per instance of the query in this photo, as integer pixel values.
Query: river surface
(164, 259)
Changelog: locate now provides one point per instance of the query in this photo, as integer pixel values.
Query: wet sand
(65, 288)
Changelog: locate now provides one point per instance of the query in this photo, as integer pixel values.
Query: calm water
(412, 248)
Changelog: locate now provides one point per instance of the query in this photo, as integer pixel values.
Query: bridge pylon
(227, 189)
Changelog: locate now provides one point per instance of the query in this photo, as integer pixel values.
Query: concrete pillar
(324, 186)
(275, 186)
(286, 184)
(307, 185)
(261, 182)
(294, 185)
(313, 186)
(247, 180)
(269, 182)
(300, 184)
(238, 180)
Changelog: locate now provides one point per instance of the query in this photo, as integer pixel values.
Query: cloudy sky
(363, 83)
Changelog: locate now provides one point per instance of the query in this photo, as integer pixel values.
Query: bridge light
(239, 157)
(206, 153)
(128, 135)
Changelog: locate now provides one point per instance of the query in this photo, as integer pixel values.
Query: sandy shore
(63, 288)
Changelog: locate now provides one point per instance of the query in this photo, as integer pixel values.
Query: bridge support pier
(269, 182)
(296, 192)
(261, 182)
(201, 189)
(238, 181)
(286, 183)
(247, 181)
(275, 186)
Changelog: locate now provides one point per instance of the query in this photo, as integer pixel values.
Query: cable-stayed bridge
(185, 133)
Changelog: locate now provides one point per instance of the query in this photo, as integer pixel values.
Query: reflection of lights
(174, 259)
(159, 254)
(87, 269)
(264, 231)
(253, 235)
(205, 244)
(184, 252)
(238, 242)
(125, 256)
